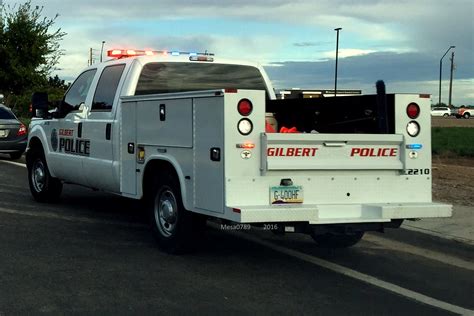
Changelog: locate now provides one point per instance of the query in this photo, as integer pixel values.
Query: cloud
(400, 41)
(311, 44)
(405, 72)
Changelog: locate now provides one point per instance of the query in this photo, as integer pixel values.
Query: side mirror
(39, 104)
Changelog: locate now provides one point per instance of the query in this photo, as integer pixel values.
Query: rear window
(180, 77)
(6, 115)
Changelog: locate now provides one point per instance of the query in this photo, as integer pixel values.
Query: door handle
(335, 144)
(108, 131)
(162, 112)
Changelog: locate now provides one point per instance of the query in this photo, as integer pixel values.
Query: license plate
(3, 133)
(286, 194)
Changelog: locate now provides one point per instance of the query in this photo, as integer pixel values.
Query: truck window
(180, 77)
(77, 94)
(107, 87)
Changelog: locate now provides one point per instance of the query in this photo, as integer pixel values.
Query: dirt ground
(453, 180)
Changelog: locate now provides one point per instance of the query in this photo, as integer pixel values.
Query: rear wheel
(43, 186)
(337, 240)
(445, 114)
(466, 115)
(175, 229)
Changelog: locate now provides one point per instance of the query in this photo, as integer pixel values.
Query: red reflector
(413, 110)
(236, 210)
(425, 96)
(245, 107)
(22, 130)
(231, 90)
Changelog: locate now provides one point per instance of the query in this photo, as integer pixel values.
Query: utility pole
(90, 56)
(337, 55)
(440, 72)
(451, 79)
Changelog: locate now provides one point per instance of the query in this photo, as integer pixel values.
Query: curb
(437, 234)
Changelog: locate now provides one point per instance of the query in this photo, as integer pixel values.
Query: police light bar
(124, 53)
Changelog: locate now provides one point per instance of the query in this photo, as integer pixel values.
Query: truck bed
(350, 114)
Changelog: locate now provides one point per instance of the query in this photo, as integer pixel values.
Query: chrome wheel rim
(38, 175)
(166, 212)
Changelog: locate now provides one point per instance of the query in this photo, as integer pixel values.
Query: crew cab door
(99, 130)
(67, 146)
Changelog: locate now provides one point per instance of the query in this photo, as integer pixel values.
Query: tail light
(22, 130)
(413, 110)
(245, 107)
(245, 126)
(413, 128)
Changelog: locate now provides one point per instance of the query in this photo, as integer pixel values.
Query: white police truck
(187, 134)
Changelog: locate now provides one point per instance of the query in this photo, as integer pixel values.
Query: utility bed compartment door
(282, 151)
(165, 122)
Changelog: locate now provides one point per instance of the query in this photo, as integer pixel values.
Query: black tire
(43, 186)
(175, 229)
(336, 240)
(466, 115)
(445, 115)
(16, 156)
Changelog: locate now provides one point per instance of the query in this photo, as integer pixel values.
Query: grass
(453, 141)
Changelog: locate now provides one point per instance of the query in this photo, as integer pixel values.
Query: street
(92, 253)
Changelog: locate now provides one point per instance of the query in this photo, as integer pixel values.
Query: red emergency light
(124, 53)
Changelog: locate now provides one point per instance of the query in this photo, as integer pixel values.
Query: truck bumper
(340, 214)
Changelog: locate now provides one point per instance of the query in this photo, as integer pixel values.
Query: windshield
(181, 77)
(6, 115)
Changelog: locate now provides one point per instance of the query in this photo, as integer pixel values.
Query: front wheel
(175, 229)
(445, 115)
(43, 186)
(337, 240)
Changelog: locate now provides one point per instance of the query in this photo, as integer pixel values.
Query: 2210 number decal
(417, 172)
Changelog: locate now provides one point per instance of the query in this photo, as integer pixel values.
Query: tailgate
(281, 151)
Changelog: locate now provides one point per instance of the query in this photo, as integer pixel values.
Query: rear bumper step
(340, 214)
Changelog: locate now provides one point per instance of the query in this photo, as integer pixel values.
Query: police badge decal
(54, 139)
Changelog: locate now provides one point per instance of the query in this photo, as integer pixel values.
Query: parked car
(13, 134)
(465, 112)
(441, 111)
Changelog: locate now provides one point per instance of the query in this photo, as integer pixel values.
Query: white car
(441, 111)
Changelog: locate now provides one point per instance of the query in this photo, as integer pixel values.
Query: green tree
(29, 47)
(56, 82)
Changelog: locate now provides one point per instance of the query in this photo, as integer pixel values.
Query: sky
(400, 42)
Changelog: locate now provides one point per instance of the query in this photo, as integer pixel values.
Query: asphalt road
(92, 253)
